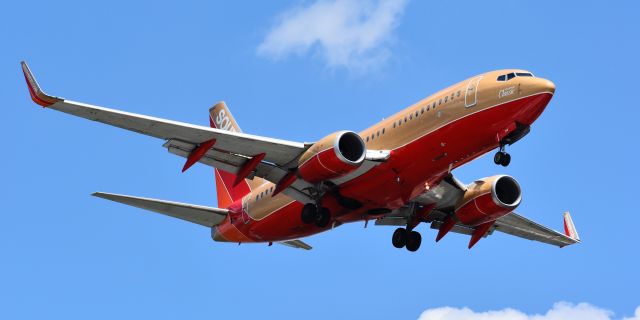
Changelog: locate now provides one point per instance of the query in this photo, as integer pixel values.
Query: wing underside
(229, 151)
(448, 192)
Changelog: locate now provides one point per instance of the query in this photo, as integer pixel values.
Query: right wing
(230, 151)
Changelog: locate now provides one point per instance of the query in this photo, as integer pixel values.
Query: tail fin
(569, 228)
(221, 118)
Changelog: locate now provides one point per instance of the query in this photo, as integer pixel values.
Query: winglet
(569, 228)
(37, 95)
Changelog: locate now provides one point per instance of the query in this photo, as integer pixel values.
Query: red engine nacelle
(333, 156)
(488, 199)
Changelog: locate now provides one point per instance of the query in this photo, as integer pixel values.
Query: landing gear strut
(502, 157)
(405, 238)
(312, 214)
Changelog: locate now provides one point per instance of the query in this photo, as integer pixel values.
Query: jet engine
(488, 199)
(333, 156)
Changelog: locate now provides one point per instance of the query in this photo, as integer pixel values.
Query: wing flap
(205, 216)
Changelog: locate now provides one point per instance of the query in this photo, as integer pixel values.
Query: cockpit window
(509, 76)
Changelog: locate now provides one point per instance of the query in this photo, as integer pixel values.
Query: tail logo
(223, 122)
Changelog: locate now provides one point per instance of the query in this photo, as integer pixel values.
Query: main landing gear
(502, 157)
(406, 238)
(313, 214)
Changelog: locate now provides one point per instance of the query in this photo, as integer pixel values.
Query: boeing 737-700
(397, 172)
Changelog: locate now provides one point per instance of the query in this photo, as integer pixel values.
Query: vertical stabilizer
(221, 118)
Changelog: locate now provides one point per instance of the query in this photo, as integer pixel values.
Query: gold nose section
(547, 86)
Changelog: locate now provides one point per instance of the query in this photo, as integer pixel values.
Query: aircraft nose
(547, 85)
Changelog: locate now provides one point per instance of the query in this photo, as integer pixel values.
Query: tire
(506, 159)
(414, 239)
(323, 218)
(399, 238)
(309, 213)
(497, 158)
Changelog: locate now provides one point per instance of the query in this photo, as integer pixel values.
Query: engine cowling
(333, 156)
(488, 199)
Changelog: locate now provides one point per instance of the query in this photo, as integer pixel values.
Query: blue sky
(68, 255)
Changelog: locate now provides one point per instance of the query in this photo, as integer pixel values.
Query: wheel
(497, 158)
(414, 239)
(323, 218)
(399, 238)
(506, 159)
(309, 213)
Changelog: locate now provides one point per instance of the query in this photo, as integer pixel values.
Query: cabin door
(471, 96)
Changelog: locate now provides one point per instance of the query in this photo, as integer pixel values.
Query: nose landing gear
(502, 157)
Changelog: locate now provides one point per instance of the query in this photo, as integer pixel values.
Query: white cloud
(355, 34)
(560, 311)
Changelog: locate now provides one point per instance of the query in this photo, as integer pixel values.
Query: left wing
(519, 226)
(444, 197)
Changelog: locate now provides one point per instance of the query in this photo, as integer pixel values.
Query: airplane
(397, 172)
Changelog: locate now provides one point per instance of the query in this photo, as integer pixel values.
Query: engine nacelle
(333, 156)
(488, 199)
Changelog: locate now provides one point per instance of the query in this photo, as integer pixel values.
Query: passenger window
(411, 116)
(416, 113)
(378, 134)
(451, 95)
(458, 95)
(405, 119)
(446, 98)
(367, 139)
(382, 130)
(422, 110)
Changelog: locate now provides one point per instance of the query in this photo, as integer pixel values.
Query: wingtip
(570, 228)
(37, 95)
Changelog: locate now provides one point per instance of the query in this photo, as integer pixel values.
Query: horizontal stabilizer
(206, 216)
(298, 244)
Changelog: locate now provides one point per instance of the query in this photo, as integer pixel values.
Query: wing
(443, 199)
(229, 151)
(205, 216)
(519, 226)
